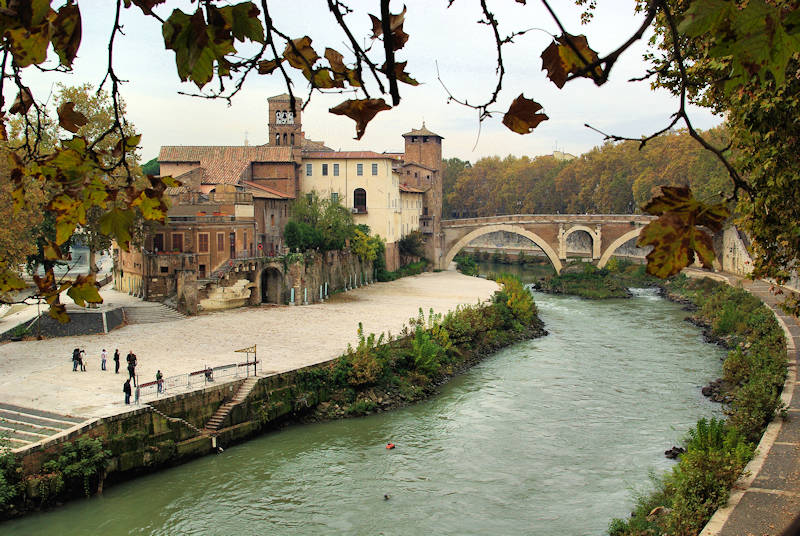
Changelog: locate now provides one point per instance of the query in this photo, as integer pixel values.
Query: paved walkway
(766, 501)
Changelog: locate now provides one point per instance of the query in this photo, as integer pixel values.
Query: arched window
(284, 138)
(292, 139)
(360, 200)
(277, 139)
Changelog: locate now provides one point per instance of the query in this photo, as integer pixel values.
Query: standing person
(81, 362)
(116, 361)
(132, 367)
(160, 380)
(76, 355)
(103, 359)
(126, 388)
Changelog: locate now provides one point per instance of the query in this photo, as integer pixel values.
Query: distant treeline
(616, 178)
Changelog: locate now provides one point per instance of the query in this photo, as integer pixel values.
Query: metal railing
(196, 379)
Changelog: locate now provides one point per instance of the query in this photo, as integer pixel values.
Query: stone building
(234, 201)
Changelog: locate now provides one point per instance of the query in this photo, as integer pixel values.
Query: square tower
(285, 125)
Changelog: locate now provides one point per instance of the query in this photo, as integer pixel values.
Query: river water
(553, 436)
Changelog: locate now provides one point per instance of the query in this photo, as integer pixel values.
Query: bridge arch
(615, 244)
(533, 237)
(593, 234)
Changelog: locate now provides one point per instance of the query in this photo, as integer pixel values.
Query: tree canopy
(747, 46)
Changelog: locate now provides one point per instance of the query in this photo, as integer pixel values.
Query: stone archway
(271, 285)
(609, 252)
(594, 235)
(533, 237)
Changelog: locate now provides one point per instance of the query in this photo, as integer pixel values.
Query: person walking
(160, 381)
(132, 366)
(116, 361)
(126, 388)
(103, 359)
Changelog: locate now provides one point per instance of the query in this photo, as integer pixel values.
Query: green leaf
(679, 200)
(117, 224)
(244, 21)
(29, 46)
(84, 290)
(9, 281)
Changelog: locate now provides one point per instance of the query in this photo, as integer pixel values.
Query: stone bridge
(548, 231)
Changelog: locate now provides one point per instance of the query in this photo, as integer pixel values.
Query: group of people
(79, 360)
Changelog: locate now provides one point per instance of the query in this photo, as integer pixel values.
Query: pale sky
(463, 49)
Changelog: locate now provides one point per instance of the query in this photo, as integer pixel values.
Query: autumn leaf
(58, 311)
(23, 102)
(400, 73)
(399, 37)
(522, 116)
(267, 66)
(84, 290)
(362, 111)
(679, 200)
(560, 59)
(29, 45)
(66, 33)
(145, 5)
(70, 119)
(52, 252)
(299, 54)
(675, 235)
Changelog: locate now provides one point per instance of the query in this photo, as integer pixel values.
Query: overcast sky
(450, 37)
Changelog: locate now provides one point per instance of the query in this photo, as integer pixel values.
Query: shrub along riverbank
(383, 372)
(717, 450)
(585, 280)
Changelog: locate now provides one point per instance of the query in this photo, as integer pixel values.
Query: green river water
(549, 437)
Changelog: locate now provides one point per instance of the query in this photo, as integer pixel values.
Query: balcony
(359, 210)
(226, 198)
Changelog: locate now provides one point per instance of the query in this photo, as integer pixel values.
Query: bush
(79, 462)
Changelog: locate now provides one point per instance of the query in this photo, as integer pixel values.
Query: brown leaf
(66, 33)
(301, 55)
(399, 37)
(560, 59)
(23, 102)
(522, 116)
(267, 66)
(69, 119)
(145, 5)
(679, 199)
(400, 74)
(361, 111)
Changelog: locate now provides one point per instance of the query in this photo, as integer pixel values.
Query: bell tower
(285, 125)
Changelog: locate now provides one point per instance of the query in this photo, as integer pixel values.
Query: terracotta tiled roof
(224, 164)
(347, 154)
(264, 191)
(422, 132)
(410, 189)
(311, 145)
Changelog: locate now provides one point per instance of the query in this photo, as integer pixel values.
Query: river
(553, 436)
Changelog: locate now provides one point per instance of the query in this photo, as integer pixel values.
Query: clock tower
(285, 126)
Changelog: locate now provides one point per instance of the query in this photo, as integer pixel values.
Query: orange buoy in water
(389, 445)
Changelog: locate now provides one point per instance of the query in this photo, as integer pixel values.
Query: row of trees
(615, 178)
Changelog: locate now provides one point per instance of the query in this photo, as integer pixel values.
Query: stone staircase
(187, 424)
(19, 427)
(150, 313)
(216, 420)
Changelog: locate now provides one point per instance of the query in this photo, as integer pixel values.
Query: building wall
(176, 168)
(280, 176)
(383, 205)
(271, 216)
(412, 204)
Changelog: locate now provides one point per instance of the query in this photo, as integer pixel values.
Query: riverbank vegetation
(717, 451)
(587, 281)
(387, 371)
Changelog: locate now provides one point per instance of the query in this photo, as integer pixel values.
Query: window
(292, 139)
(284, 138)
(202, 243)
(424, 139)
(277, 139)
(177, 242)
(359, 169)
(336, 170)
(374, 169)
(202, 271)
(309, 167)
(360, 200)
(163, 269)
(158, 242)
(335, 197)
(324, 169)
(272, 220)
(413, 139)
(220, 242)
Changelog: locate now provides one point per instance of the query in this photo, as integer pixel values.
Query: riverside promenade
(38, 374)
(766, 498)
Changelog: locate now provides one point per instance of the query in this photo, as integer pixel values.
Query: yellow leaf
(522, 116)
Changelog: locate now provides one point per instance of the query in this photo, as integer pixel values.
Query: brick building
(234, 201)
